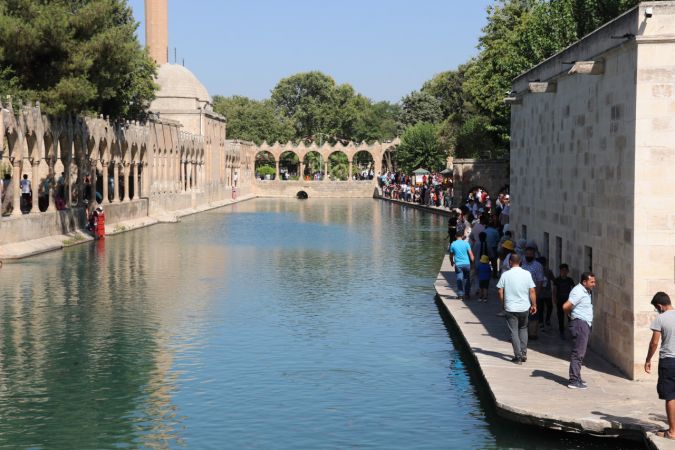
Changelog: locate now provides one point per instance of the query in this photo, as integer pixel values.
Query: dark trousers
(544, 309)
(561, 315)
(517, 323)
(581, 331)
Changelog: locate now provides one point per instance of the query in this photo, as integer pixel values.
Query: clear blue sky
(384, 48)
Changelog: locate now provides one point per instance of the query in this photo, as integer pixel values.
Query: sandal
(664, 434)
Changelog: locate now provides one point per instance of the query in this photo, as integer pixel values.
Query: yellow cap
(508, 245)
(484, 259)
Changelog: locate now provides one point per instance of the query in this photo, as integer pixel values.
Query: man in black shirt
(562, 286)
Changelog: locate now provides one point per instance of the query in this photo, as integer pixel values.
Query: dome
(179, 89)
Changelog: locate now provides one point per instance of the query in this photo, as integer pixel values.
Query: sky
(383, 48)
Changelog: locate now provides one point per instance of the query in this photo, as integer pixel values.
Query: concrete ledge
(31, 247)
(613, 406)
(24, 249)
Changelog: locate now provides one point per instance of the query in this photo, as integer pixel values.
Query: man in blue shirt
(580, 308)
(517, 294)
(461, 257)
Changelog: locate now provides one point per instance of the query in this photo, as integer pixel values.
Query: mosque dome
(179, 89)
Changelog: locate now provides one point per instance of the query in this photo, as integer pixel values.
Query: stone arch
(363, 165)
(265, 165)
(289, 165)
(338, 165)
(314, 164)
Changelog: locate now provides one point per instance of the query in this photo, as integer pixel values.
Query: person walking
(580, 308)
(517, 295)
(663, 329)
(461, 257)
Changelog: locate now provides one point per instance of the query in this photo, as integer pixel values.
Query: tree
(310, 101)
(420, 147)
(419, 107)
(75, 56)
(446, 87)
(253, 120)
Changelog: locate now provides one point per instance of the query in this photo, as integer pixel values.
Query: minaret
(157, 30)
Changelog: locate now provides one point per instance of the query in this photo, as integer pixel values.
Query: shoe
(583, 383)
(523, 358)
(517, 360)
(577, 385)
(460, 294)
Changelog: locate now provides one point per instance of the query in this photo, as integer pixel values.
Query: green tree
(310, 101)
(75, 56)
(420, 147)
(446, 87)
(253, 120)
(419, 107)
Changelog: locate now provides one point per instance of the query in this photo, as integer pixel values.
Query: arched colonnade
(376, 150)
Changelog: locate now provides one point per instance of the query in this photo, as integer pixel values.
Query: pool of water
(279, 324)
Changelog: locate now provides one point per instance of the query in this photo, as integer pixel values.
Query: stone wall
(470, 173)
(315, 189)
(654, 237)
(573, 176)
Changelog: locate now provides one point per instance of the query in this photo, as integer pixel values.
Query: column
(16, 178)
(134, 180)
(350, 170)
(116, 185)
(302, 171)
(325, 176)
(106, 182)
(35, 184)
(51, 195)
(125, 177)
(92, 179)
(67, 188)
(278, 175)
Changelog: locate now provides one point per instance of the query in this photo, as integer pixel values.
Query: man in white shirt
(518, 297)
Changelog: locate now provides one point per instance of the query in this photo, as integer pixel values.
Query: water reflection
(269, 324)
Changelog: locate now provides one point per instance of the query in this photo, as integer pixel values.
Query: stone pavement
(536, 392)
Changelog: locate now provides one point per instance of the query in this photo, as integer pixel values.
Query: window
(545, 249)
(558, 250)
(588, 258)
(523, 232)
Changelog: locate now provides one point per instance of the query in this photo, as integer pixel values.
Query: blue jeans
(463, 277)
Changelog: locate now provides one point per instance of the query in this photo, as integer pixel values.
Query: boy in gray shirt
(663, 329)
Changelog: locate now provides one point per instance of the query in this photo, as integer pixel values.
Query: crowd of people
(484, 247)
(430, 190)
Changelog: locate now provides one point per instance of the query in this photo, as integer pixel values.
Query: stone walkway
(536, 392)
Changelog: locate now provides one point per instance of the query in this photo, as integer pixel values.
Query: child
(484, 273)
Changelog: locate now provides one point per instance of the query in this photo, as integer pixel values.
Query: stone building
(592, 153)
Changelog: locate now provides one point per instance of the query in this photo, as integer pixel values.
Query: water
(270, 324)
